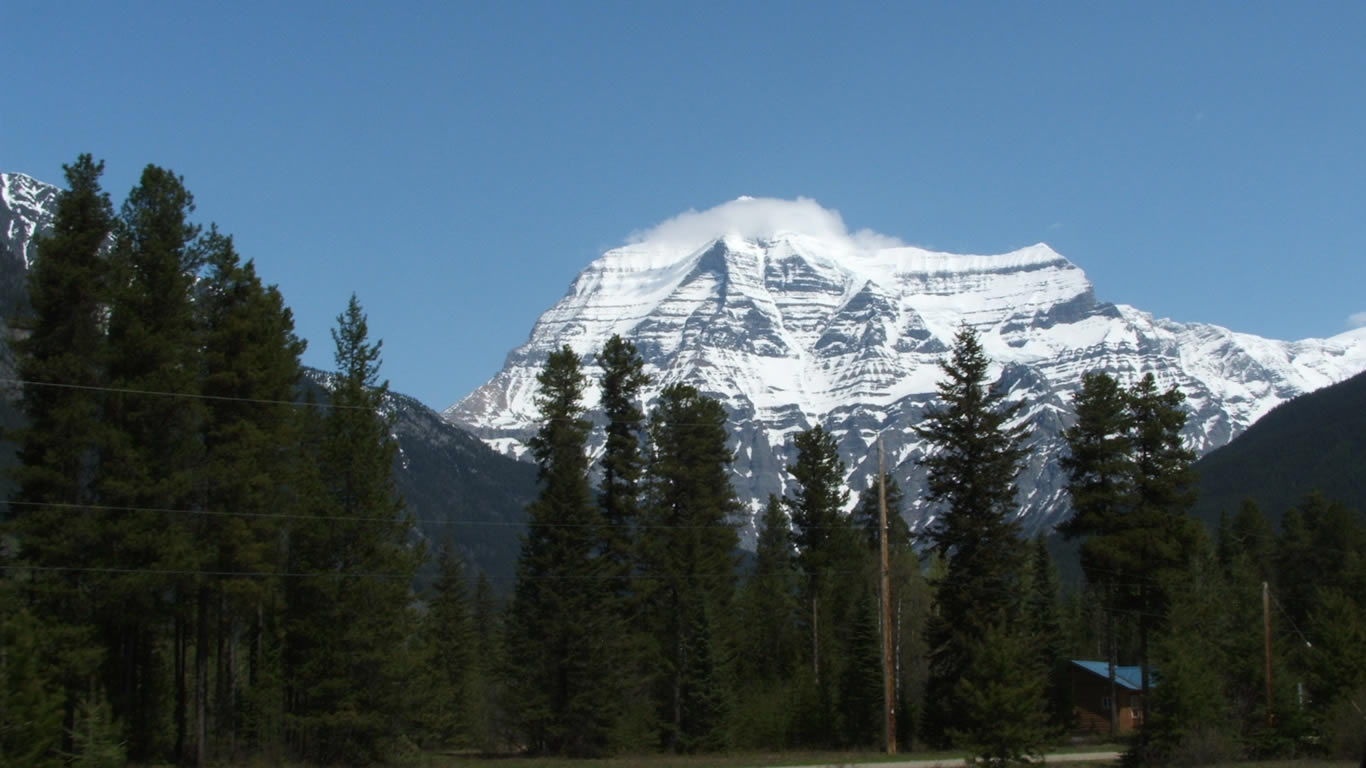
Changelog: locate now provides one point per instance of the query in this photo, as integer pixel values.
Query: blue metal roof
(1129, 677)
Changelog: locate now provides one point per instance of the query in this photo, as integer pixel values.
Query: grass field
(769, 760)
(762, 760)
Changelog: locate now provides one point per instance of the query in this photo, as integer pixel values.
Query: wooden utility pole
(1266, 632)
(888, 678)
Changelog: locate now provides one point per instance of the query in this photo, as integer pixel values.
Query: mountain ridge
(790, 329)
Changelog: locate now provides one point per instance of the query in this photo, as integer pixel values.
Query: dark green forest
(206, 559)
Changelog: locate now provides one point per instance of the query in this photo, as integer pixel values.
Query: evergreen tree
(622, 462)
(486, 695)
(562, 668)
(1321, 576)
(1043, 611)
(30, 705)
(1098, 462)
(1157, 540)
(860, 696)
(771, 599)
(817, 500)
(867, 518)
(998, 700)
(821, 532)
(836, 578)
(687, 564)
(95, 735)
(769, 646)
(1191, 716)
(449, 650)
(1131, 484)
(1099, 468)
(63, 343)
(150, 460)
(250, 369)
(349, 616)
(974, 458)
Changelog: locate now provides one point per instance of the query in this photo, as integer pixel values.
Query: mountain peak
(757, 219)
(790, 320)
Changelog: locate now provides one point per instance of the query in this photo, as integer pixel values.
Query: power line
(185, 395)
(344, 518)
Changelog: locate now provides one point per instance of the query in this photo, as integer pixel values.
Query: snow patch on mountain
(26, 208)
(774, 308)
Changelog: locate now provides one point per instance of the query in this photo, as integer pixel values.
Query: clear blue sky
(456, 164)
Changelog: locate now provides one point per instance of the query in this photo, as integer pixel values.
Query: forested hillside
(1316, 442)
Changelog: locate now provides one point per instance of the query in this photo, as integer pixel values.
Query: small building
(1091, 696)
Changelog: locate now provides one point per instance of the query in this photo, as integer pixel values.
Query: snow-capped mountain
(773, 308)
(26, 208)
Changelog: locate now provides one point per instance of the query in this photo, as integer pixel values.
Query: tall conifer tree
(769, 643)
(687, 563)
(149, 461)
(250, 370)
(62, 357)
(622, 461)
(835, 568)
(1099, 469)
(974, 458)
(562, 667)
(349, 615)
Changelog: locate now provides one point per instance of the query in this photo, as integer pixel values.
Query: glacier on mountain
(772, 307)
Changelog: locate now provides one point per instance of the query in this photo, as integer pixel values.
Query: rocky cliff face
(791, 328)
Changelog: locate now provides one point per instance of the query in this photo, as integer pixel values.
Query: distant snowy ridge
(790, 327)
(26, 208)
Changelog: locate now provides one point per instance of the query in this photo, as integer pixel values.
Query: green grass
(726, 760)
(763, 760)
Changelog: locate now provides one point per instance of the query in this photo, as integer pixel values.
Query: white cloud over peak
(761, 217)
(1356, 320)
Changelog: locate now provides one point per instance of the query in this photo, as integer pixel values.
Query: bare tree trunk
(1113, 653)
(201, 675)
(180, 695)
(815, 640)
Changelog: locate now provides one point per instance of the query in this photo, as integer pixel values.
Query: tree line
(205, 563)
(199, 564)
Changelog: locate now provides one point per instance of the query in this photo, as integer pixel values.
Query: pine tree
(349, 616)
(1098, 461)
(867, 518)
(687, 563)
(1044, 615)
(998, 700)
(95, 735)
(974, 458)
(817, 500)
(820, 530)
(449, 659)
(1157, 539)
(562, 668)
(63, 343)
(1131, 484)
(769, 645)
(30, 705)
(250, 369)
(149, 461)
(769, 614)
(1099, 469)
(836, 570)
(486, 694)
(622, 463)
